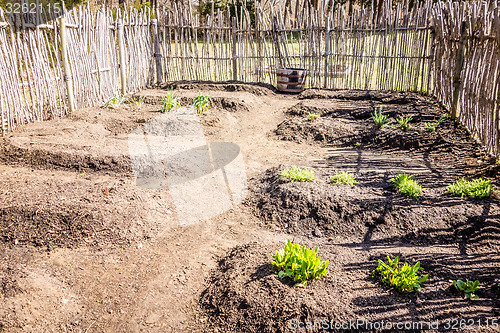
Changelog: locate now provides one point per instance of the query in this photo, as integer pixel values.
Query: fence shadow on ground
(437, 300)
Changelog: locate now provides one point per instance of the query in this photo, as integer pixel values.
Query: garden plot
(72, 214)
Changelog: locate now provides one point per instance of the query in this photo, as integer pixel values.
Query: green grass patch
(299, 263)
(343, 178)
(402, 277)
(297, 174)
(476, 188)
(405, 185)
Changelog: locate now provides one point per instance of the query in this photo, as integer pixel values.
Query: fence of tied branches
(448, 50)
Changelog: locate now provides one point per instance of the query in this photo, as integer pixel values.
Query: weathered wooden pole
(68, 78)
(327, 50)
(235, 56)
(457, 74)
(159, 71)
(121, 52)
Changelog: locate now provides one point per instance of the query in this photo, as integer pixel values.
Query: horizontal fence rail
(445, 49)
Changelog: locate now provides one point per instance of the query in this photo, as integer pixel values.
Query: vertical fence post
(457, 74)
(157, 55)
(68, 78)
(327, 50)
(121, 52)
(235, 65)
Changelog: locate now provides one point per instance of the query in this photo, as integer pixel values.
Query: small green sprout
(379, 118)
(115, 101)
(402, 277)
(404, 123)
(299, 263)
(476, 188)
(139, 102)
(312, 116)
(169, 102)
(469, 288)
(201, 103)
(405, 185)
(297, 174)
(432, 126)
(343, 178)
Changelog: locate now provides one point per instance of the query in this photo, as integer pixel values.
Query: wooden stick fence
(444, 49)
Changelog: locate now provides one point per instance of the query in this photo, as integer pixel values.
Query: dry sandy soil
(83, 249)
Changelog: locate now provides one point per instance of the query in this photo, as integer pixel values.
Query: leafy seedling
(469, 288)
(169, 102)
(405, 185)
(296, 174)
(404, 123)
(201, 103)
(312, 116)
(380, 119)
(139, 102)
(476, 189)
(432, 126)
(299, 263)
(343, 178)
(115, 101)
(403, 278)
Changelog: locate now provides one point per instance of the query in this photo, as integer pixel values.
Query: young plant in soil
(476, 188)
(296, 174)
(405, 185)
(404, 123)
(380, 119)
(343, 178)
(115, 101)
(432, 126)
(468, 287)
(312, 116)
(299, 263)
(139, 102)
(201, 103)
(402, 277)
(170, 102)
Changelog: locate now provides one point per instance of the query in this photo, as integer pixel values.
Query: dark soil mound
(345, 121)
(245, 295)
(258, 89)
(366, 95)
(327, 130)
(59, 226)
(52, 158)
(372, 210)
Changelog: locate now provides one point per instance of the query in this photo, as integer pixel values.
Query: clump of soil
(244, 293)
(373, 210)
(259, 89)
(325, 130)
(11, 152)
(59, 226)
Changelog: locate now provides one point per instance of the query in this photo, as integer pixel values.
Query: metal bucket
(291, 79)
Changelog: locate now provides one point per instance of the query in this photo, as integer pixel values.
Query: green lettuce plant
(299, 263)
